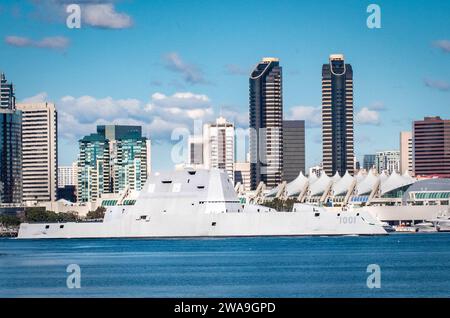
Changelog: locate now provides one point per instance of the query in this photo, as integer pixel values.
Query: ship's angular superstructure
(203, 203)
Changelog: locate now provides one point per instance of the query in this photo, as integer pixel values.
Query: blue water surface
(412, 265)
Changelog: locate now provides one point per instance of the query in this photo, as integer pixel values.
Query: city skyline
(389, 92)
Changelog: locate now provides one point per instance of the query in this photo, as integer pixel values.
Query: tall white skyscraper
(406, 152)
(39, 151)
(218, 146)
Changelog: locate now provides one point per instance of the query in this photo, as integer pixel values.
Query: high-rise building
(369, 162)
(293, 149)
(7, 96)
(128, 155)
(356, 165)
(149, 156)
(112, 160)
(10, 145)
(67, 182)
(431, 147)
(116, 132)
(195, 150)
(129, 165)
(94, 173)
(388, 161)
(242, 174)
(317, 170)
(67, 175)
(406, 152)
(266, 123)
(218, 146)
(39, 151)
(337, 116)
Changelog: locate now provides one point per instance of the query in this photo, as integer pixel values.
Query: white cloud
(311, 115)
(191, 74)
(38, 98)
(105, 16)
(79, 116)
(55, 43)
(87, 109)
(367, 116)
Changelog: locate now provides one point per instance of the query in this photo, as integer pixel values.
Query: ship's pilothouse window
(200, 187)
(192, 172)
(316, 214)
(166, 181)
(47, 226)
(61, 226)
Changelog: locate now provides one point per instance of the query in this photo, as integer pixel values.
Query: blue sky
(163, 64)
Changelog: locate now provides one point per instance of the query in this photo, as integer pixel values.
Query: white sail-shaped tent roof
(360, 176)
(383, 176)
(365, 186)
(319, 186)
(273, 192)
(408, 177)
(395, 181)
(336, 177)
(296, 186)
(293, 188)
(341, 187)
(312, 178)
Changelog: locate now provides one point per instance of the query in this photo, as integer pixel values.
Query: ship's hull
(211, 225)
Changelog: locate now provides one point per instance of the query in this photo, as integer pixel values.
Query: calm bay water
(412, 265)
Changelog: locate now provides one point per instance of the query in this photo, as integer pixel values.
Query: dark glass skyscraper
(369, 162)
(10, 145)
(337, 116)
(7, 97)
(266, 123)
(293, 149)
